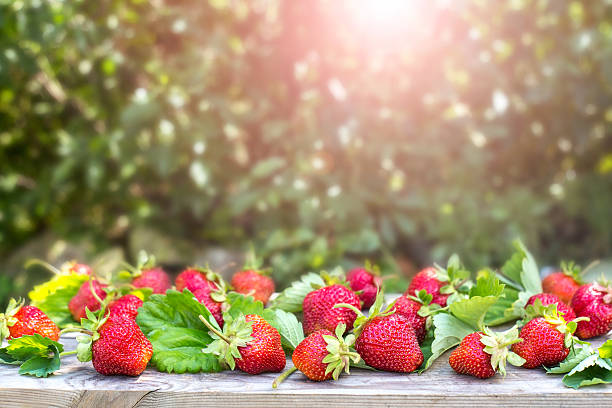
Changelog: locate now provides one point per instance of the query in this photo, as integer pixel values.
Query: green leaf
(590, 371)
(605, 350)
(448, 332)
(241, 304)
(42, 366)
(485, 294)
(53, 296)
(171, 322)
(502, 311)
(522, 268)
(290, 300)
(32, 352)
(288, 326)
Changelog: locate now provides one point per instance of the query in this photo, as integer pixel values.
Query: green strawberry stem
(212, 329)
(67, 353)
(283, 376)
(44, 264)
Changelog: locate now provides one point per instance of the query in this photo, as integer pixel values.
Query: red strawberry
(595, 302)
(253, 282)
(121, 349)
(481, 354)
(22, 320)
(154, 278)
(322, 356)
(427, 280)
(416, 310)
(366, 281)
(250, 343)
(546, 339)
(386, 341)
(549, 299)
(319, 312)
(207, 286)
(126, 306)
(86, 299)
(563, 283)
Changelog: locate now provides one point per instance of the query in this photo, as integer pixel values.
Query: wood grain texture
(79, 385)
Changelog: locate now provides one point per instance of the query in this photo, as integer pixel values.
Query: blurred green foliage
(300, 127)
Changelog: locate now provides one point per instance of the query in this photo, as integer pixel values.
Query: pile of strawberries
(334, 333)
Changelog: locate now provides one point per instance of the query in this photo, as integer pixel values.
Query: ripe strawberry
(154, 278)
(563, 283)
(20, 320)
(546, 339)
(253, 282)
(482, 354)
(126, 306)
(249, 342)
(594, 301)
(428, 280)
(366, 281)
(207, 287)
(549, 299)
(416, 310)
(121, 349)
(319, 312)
(85, 299)
(386, 341)
(322, 355)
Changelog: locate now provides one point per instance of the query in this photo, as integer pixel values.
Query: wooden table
(79, 385)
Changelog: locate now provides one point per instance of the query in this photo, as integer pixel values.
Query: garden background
(320, 132)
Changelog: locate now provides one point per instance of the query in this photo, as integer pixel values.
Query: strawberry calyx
(551, 315)
(604, 286)
(144, 261)
(254, 263)
(375, 311)
(425, 298)
(497, 345)
(574, 271)
(372, 268)
(335, 277)
(8, 319)
(340, 354)
(454, 274)
(236, 333)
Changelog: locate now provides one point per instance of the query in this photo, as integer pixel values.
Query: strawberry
(594, 301)
(89, 296)
(482, 354)
(249, 342)
(319, 312)
(549, 299)
(385, 340)
(146, 275)
(121, 348)
(126, 306)
(563, 283)
(155, 278)
(546, 339)
(416, 310)
(439, 282)
(253, 282)
(207, 287)
(365, 282)
(20, 320)
(322, 356)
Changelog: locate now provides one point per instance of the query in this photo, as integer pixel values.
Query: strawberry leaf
(53, 296)
(590, 371)
(482, 296)
(241, 304)
(576, 355)
(288, 326)
(605, 350)
(37, 355)
(178, 336)
(290, 300)
(502, 311)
